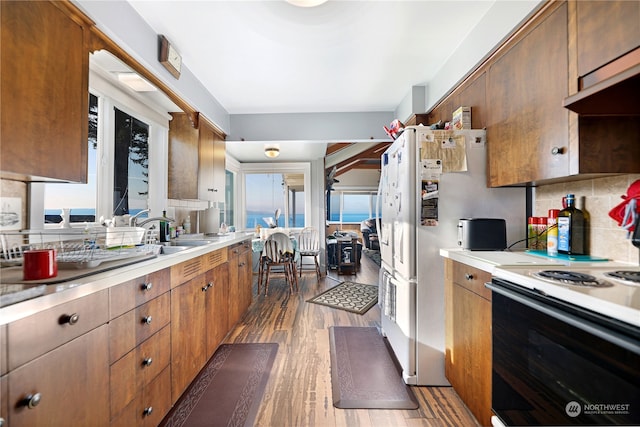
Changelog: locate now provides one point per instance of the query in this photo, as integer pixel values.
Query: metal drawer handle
(556, 150)
(147, 286)
(32, 400)
(147, 319)
(147, 411)
(468, 276)
(70, 319)
(147, 361)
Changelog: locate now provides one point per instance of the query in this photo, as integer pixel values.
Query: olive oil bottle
(571, 229)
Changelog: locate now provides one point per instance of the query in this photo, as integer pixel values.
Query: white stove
(610, 289)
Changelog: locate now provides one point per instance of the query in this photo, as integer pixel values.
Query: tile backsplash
(596, 197)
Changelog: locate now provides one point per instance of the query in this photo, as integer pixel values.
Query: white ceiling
(341, 56)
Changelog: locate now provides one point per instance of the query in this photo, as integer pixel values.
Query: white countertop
(64, 292)
(620, 302)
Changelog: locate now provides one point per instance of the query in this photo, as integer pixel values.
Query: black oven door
(555, 364)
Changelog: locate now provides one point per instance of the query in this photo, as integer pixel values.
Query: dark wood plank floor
(299, 389)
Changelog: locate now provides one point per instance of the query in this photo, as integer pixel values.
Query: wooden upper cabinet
(527, 126)
(44, 95)
(183, 158)
(605, 30)
(211, 176)
(196, 159)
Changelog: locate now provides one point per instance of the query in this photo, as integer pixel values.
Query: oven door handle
(575, 321)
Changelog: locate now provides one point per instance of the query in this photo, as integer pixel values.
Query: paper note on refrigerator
(446, 146)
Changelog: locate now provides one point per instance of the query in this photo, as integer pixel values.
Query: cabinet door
(468, 337)
(183, 158)
(606, 30)
(211, 176)
(217, 306)
(525, 116)
(71, 381)
(188, 343)
(45, 102)
(245, 276)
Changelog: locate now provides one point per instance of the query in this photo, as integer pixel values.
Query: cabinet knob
(213, 190)
(147, 286)
(556, 150)
(147, 361)
(242, 264)
(70, 319)
(32, 400)
(147, 319)
(468, 276)
(147, 411)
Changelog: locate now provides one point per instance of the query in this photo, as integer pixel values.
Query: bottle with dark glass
(571, 229)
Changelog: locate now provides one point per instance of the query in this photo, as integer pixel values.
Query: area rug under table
(229, 389)
(349, 296)
(364, 374)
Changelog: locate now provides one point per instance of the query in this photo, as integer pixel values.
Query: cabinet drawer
(239, 248)
(133, 293)
(215, 258)
(33, 336)
(472, 279)
(187, 270)
(138, 368)
(150, 406)
(135, 326)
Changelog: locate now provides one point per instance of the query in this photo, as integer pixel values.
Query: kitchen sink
(189, 242)
(173, 249)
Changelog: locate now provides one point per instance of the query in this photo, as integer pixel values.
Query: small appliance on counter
(482, 234)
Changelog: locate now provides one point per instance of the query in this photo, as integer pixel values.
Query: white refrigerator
(429, 180)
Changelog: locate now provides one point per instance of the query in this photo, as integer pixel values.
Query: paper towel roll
(210, 220)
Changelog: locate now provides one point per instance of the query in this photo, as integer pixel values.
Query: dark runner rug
(349, 296)
(364, 373)
(228, 390)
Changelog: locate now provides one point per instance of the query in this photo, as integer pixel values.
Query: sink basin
(173, 249)
(190, 242)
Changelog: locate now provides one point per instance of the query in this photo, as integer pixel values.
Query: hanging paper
(429, 202)
(447, 147)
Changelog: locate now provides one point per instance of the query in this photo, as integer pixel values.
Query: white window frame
(280, 168)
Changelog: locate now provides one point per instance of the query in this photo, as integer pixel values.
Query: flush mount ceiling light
(272, 152)
(135, 82)
(306, 3)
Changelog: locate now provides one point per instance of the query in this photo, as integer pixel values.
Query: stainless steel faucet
(133, 220)
(155, 218)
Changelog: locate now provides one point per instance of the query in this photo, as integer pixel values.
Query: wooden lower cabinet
(217, 306)
(468, 337)
(240, 280)
(71, 383)
(141, 383)
(188, 321)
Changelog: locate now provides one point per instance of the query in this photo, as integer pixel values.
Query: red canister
(39, 264)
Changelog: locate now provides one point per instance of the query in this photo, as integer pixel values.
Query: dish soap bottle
(571, 229)
(187, 225)
(165, 234)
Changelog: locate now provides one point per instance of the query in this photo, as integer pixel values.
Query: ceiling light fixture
(135, 82)
(306, 3)
(272, 152)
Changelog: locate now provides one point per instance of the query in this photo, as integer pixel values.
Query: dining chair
(278, 252)
(309, 246)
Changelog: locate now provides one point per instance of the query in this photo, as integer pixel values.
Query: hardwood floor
(299, 388)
